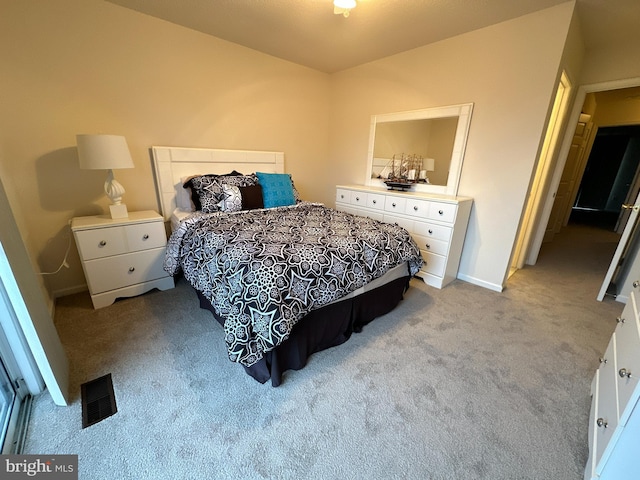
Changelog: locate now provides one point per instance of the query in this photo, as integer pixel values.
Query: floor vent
(98, 400)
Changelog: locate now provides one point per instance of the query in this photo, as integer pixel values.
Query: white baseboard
(70, 290)
(481, 283)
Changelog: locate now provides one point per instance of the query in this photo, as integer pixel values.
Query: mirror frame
(462, 111)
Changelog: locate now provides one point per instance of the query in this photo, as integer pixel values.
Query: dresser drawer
(343, 195)
(606, 403)
(434, 264)
(432, 245)
(431, 230)
(444, 212)
(343, 207)
(405, 223)
(627, 341)
(104, 274)
(101, 242)
(395, 204)
(373, 215)
(417, 208)
(144, 236)
(358, 198)
(375, 201)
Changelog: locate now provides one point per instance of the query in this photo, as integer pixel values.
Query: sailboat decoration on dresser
(403, 171)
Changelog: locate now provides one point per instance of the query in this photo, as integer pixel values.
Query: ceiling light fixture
(343, 7)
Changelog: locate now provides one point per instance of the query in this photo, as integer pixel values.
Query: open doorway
(596, 106)
(610, 179)
(526, 239)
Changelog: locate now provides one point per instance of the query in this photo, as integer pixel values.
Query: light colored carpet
(459, 383)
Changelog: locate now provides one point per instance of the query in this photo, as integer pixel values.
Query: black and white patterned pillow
(232, 201)
(207, 191)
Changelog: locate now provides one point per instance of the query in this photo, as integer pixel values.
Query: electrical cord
(64, 263)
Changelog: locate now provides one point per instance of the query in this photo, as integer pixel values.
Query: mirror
(425, 147)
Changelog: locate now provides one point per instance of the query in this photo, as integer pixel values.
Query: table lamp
(429, 165)
(106, 152)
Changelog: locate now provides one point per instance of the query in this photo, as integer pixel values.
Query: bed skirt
(324, 328)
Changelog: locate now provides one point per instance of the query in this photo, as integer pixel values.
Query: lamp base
(119, 211)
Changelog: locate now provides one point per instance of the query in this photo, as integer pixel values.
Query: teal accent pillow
(277, 189)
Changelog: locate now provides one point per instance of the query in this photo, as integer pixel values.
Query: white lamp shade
(346, 4)
(103, 152)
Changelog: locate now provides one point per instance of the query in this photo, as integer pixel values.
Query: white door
(570, 180)
(622, 248)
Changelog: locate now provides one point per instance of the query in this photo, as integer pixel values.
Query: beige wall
(611, 62)
(509, 72)
(88, 66)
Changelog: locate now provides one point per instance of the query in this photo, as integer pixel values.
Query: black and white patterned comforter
(263, 270)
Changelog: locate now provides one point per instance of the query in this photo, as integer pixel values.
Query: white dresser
(614, 423)
(438, 223)
(122, 257)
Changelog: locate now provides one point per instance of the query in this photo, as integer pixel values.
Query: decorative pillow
(251, 197)
(183, 195)
(206, 190)
(277, 189)
(232, 199)
(296, 195)
(241, 198)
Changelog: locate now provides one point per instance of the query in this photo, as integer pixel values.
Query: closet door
(629, 236)
(7, 399)
(13, 390)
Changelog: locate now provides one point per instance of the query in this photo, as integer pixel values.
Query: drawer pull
(415, 208)
(357, 199)
(440, 212)
(132, 269)
(428, 247)
(636, 284)
(393, 204)
(145, 237)
(102, 243)
(430, 232)
(341, 196)
(601, 422)
(623, 372)
(603, 360)
(374, 202)
(620, 320)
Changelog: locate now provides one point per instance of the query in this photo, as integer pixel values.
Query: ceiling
(307, 32)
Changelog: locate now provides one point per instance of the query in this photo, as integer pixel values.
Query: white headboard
(173, 163)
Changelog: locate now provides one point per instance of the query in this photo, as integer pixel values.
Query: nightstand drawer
(110, 273)
(144, 236)
(101, 242)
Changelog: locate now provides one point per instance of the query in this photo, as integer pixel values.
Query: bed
(284, 277)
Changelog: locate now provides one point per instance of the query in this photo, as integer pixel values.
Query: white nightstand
(122, 257)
